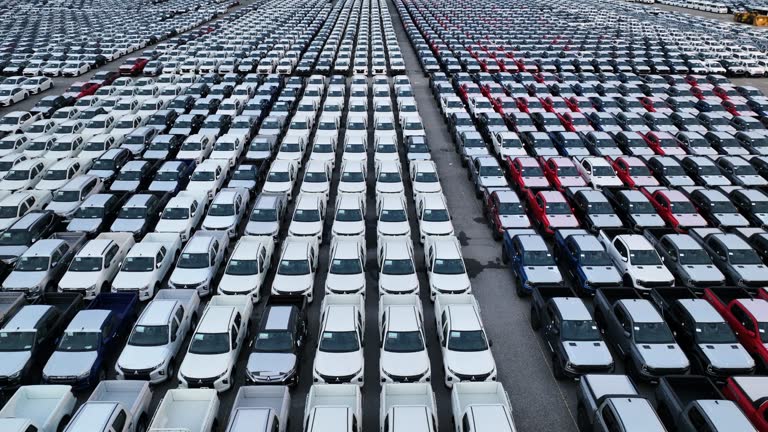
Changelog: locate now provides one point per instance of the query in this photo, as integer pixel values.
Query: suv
(267, 215)
(445, 267)
(24, 232)
(275, 356)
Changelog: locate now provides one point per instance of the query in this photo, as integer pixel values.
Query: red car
(663, 143)
(504, 104)
(529, 105)
(562, 173)
(106, 77)
(551, 211)
(580, 104)
(655, 104)
(747, 316)
(133, 66)
(675, 208)
(762, 293)
(489, 89)
(554, 104)
(703, 91)
(751, 395)
(725, 92)
(575, 122)
(737, 106)
(83, 89)
(504, 210)
(633, 172)
(692, 80)
(526, 173)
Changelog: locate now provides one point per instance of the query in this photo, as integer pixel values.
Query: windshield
(448, 266)
(315, 177)
(138, 264)
(17, 175)
(192, 145)
(86, 264)
(538, 258)
(66, 196)
(176, 213)
(89, 213)
(303, 215)
(221, 210)
(79, 341)
(238, 267)
(244, 174)
(193, 261)
(466, 341)
(652, 333)
(339, 342)
(132, 213)
(263, 215)
(293, 267)
(437, 215)
(278, 176)
(346, 266)
(714, 332)
(744, 257)
(594, 258)
(352, 177)
(398, 267)
(403, 342)
(104, 164)
(209, 343)
(273, 341)
(149, 336)
(579, 331)
(644, 257)
(32, 263)
(17, 341)
(203, 176)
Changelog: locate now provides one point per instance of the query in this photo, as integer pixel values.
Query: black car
(162, 121)
(275, 356)
(135, 176)
(140, 213)
(163, 147)
(109, 163)
(48, 105)
(96, 213)
(182, 104)
(28, 229)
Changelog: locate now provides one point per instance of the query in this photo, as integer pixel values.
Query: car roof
(27, 317)
(93, 416)
(340, 317)
(634, 414)
(572, 309)
(641, 310)
(27, 220)
(216, 319)
(199, 243)
(158, 312)
(463, 317)
(96, 200)
(88, 319)
(757, 307)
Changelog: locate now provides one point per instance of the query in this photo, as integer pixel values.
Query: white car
(183, 214)
(598, 172)
(39, 128)
(67, 199)
(424, 178)
(445, 266)
(25, 175)
(317, 179)
(14, 143)
(292, 148)
(281, 178)
(208, 177)
(75, 68)
(228, 147)
(397, 267)
(196, 147)
(636, 259)
(353, 177)
(392, 216)
(349, 216)
(61, 172)
(324, 149)
(199, 262)
(248, 266)
(95, 147)
(37, 84)
(434, 218)
(126, 106)
(296, 268)
(69, 127)
(403, 356)
(146, 265)
(389, 178)
(10, 96)
(19, 203)
(308, 217)
(96, 264)
(11, 160)
(226, 211)
(346, 266)
(66, 146)
(339, 357)
(17, 120)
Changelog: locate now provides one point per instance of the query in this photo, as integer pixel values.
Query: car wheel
(171, 371)
(519, 287)
(62, 423)
(504, 256)
(535, 319)
(142, 426)
(582, 421)
(557, 369)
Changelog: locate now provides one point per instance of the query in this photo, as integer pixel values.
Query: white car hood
(404, 364)
(305, 228)
(662, 356)
(139, 357)
(470, 363)
(183, 276)
(338, 364)
(345, 283)
(451, 282)
(204, 366)
(239, 283)
(79, 280)
(587, 353)
(292, 284)
(127, 280)
(12, 362)
(399, 283)
(219, 222)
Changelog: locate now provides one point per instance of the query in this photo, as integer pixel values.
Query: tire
(193, 321)
(627, 281)
(102, 374)
(504, 256)
(171, 371)
(62, 424)
(142, 425)
(215, 425)
(519, 288)
(557, 369)
(582, 421)
(535, 319)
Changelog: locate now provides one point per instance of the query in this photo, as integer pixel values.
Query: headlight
(83, 375)
(639, 281)
(568, 365)
(14, 375)
(91, 288)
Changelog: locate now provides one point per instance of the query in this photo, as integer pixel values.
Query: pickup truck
(88, 340)
(703, 334)
(639, 334)
(199, 262)
(10, 303)
(333, 407)
(260, 409)
(586, 260)
(636, 259)
(407, 407)
(403, 355)
(530, 261)
(28, 339)
(41, 408)
(187, 410)
(481, 407)
(114, 406)
(688, 261)
(41, 266)
(693, 404)
(158, 336)
(216, 343)
(147, 263)
(746, 316)
(183, 213)
(604, 400)
(339, 357)
(575, 342)
(733, 256)
(751, 394)
(94, 267)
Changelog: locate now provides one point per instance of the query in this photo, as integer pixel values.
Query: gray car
(40, 267)
(636, 209)
(685, 258)
(267, 215)
(738, 261)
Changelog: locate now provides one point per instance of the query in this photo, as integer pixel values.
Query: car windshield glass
(745, 170)
(602, 171)
(403, 342)
(32, 263)
(389, 177)
(448, 266)
(644, 257)
(315, 177)
(263, 215)
(37, 145)
(354, 148)
(221, 210)
(714, 333)
(132, 213)
(66, 196)
(352, 177)
(203, 176)
(491, 171)
(86, 264)
(578, 330)
(594, 258)
(346, 266)
(238, 267)
(538, 258)
(8, 212)
(138, 264)
(17, 341)
(437, 215)
(192, 146)
(224, 146)
(349, 215)
(639, 171)
(744, 257)
(273, 341)
(683, 207)
(722, 207)
(306, 215)
(55, 175)
(176, 213)
(652, 333)
(244, 174)
(149, 335)
(278, 176)
(209, 343)
(473, 340)
(510, 208)
(322, 148)
(103, 165)
(558, 208)
(89, 212)
(339, 342)
(7, 144)
(17, 175)
(79, 341)
(193, 261)
(532, 171)
(293, 267)
(398, 267)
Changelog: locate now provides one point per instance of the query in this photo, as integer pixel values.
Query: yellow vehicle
(758, 17)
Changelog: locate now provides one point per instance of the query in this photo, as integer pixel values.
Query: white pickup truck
(260, 409)
(636, 259)
(147, 263)
(216, 343)
(403, 355)
(114, 406)
(157, 337)
(332, 407)
(481, 407)
(407, 407)
(187, 410)
(96, 264)
(183, 213)
(42, 408)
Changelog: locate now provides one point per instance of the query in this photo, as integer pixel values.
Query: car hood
(563, 221)
(536, 182)
(727, 356)
(305, 228)
(653, 273)
(13, 361)
(84, 225)
(79, 280)
(690, 220)
(702, 273)
(139, 357)
(12, 252)
(601, 275)
(731, 219)
(64, 363)
(247, 184)
(19, 279)
(393, 228)
(514, 221)
(450, 282)
(716, 180)
(470, 363)
(752, 273)
(124, 185)
(125, 280)
(404, 364)
(238, 283)
(219, 222)
(127, 225)
(662, 356)
(645, 181)
(680, 181)
(338, 364)
(345, 283)
(262, 228)
(572, 181)
(587, 353)
(496, 181)
(543, 274)
(437, 228)
(752, 180)
(271, 364)
(289, 284)
(348, 228)
(163, 186)
(204, 366)
(606, 220)
(648, 220)
(575, 151)
(399, 283)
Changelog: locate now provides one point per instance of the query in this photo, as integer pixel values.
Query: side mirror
(490, 342)
(625, 259)
(173, 337)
